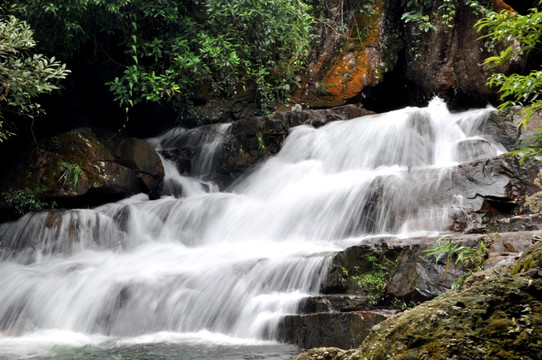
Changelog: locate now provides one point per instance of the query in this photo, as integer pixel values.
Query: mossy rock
(531, 259)
(494, 319)
(86, 166)
(466, 324)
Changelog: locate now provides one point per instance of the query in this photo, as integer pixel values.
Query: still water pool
(61, 345)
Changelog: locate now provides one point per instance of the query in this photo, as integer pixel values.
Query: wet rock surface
(496, 316)
(346, 329)
(494, 192)
(495, 209)
(252, 139)
(87, 167)
(498, 207)
(413, 277)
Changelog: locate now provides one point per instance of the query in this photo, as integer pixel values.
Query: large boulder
(495, 318)
(505, 127)
(86, 167)
(414, 276)
(499, 193)
(531, 259)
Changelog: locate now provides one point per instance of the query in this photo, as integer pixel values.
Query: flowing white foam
(199, 262)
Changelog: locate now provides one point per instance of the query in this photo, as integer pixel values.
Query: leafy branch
(469, 259)
(24, 76)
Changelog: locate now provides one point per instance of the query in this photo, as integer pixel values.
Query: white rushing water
(228, 265)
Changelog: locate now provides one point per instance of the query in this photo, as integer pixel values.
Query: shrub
(469, 259)
(174, 51)
(25, 200)
(23, 75)
(522, 34)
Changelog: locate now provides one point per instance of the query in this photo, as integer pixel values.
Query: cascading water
(206, 143)
(223, 267)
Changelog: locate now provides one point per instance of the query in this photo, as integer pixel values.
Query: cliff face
(387, 59)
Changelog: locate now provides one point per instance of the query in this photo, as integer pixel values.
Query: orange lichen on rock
(500, 5)
(345, 80)
(354, 68)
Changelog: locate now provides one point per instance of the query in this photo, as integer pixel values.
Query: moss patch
(531, 259)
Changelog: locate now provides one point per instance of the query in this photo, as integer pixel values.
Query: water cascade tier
(200, 262)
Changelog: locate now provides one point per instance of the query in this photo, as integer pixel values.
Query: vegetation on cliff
(184, 53)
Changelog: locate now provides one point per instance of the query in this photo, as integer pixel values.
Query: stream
(205, 273)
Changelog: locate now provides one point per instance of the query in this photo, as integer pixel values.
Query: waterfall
(232, 263)
(206, 144)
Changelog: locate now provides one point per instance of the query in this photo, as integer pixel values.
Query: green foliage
(322, 89)
(424, 24)
(23, 75)
(64, 26)
(470, 259)
(374, 282)
(26, 200)
(415, 13)
(56, 143)
(403, 305)
(448, 8)
(368, 7)
(522, 34)
(71, 173)
(532, 147)
(174, 51)
(418, 11)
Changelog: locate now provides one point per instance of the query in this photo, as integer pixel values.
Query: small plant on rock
(373, 282)
(71, 173)
(470, 259)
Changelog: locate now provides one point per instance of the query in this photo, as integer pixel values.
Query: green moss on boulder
(495, 318)
(532, 258)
